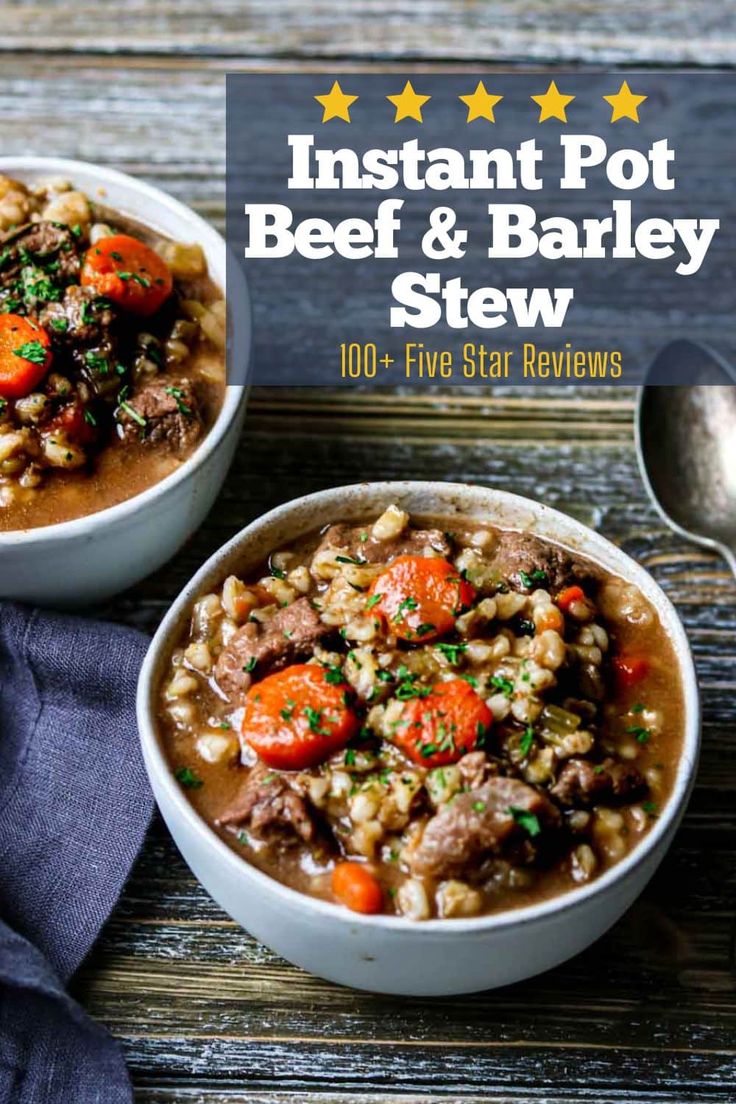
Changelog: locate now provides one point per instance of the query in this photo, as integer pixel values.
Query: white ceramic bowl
(88, 559)
(387, 953)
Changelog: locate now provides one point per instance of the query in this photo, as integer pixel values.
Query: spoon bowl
(686, 446)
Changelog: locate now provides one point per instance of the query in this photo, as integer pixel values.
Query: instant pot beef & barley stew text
(435, 723)
(111, 354)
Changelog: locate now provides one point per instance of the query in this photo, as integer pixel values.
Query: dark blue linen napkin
(74, 807)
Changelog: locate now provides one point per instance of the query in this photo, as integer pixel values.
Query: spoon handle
(729, 554)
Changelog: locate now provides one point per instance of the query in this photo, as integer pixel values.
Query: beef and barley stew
(111, 354)
(435, 723)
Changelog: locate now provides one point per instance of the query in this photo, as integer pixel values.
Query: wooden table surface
(205, 1014)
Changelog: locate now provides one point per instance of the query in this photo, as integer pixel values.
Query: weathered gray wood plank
(701, 32)
(651, 1076)
(201, 1094)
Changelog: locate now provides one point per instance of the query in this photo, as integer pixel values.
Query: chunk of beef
(357, 542)
(163, 412)
(475, 768)
(270, 809)
(47, 246)
(477, 824)
(291, 632)
(81, 317)
(517, 553)
(581, 783)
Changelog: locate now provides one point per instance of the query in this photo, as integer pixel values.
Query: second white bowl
(90, 558)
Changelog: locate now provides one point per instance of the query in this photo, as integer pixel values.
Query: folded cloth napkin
(74, 807)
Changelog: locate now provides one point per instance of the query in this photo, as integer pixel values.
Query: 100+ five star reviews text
(477, 361)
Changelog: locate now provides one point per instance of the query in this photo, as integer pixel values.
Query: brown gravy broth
(117, 470)
(628, 734)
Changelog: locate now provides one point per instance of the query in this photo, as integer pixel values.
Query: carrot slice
(630, 669)
(129, 272)
(440, 727)
(356, 888)
(419, 597)
(549, 618)
(25, 355)
(569, 595)
(296, 718)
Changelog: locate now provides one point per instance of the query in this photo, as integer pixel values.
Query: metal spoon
(686, 445)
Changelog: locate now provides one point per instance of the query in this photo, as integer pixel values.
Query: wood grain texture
(694, 32)
(205, 1014)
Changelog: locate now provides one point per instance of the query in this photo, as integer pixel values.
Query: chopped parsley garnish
(288, 713)
(133, 413)
(181, 406)
(89, 417)
(471, 680)
(425, 628)
(32, 351)
(350, 757)
(115, 255)
(405, 605)
(373, 600)
(243, 838)
(482, 733)
(61, 325)
(36, 286)
(349, 560)
(97, 362)
(250, 665)
(528, 579)
(278, 573)
(452, 652)
(642, 734)
(333, 675)
(650, 808)
(505, 685)
(638, 707)
(406, 688)
(479, 806)
(314, 716)
(188, 778)
(426, 750)
(526, 820)
(526, 741)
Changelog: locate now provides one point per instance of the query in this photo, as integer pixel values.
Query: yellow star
(408, 104)
(335, 104)
(552, 104)
(625, 104)
(480, 104)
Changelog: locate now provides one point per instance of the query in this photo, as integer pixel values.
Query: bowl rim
(656, 838)
(235, 394)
